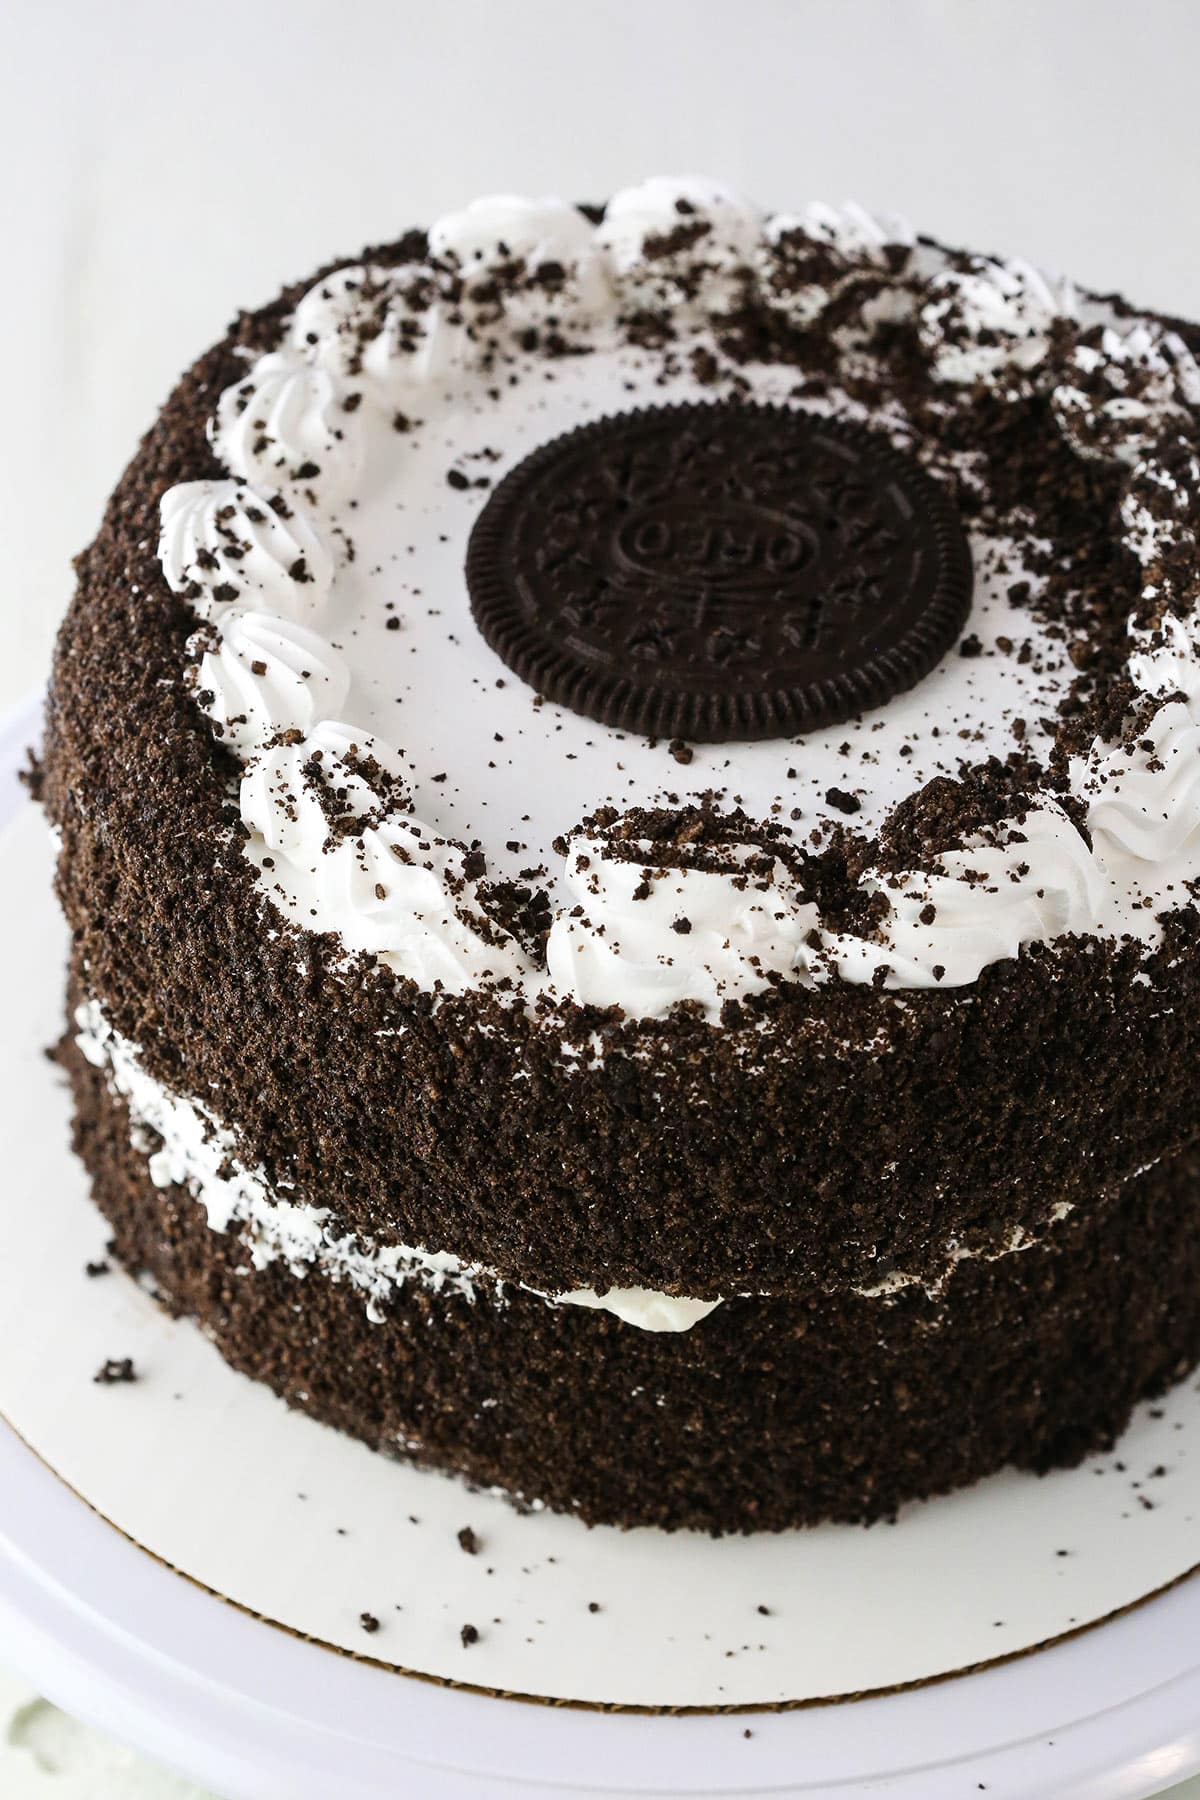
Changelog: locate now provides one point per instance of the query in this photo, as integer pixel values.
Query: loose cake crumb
(844, 802)
(116, 1369)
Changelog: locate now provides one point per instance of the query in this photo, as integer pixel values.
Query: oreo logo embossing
(736, 547)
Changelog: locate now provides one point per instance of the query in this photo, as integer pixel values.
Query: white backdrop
(162, 163)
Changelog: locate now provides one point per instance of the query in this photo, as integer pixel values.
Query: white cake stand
(255, 1678)
(122, 1642)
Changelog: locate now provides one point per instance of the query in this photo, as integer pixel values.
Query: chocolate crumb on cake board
(114, 1371)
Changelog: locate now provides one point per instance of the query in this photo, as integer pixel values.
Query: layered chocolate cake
(629, 795)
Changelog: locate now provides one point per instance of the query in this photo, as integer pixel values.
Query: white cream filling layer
(197, 1152)
(186, 1146)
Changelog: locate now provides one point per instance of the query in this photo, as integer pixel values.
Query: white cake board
(204, 1470)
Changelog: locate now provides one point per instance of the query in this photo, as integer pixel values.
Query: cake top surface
(659, 608)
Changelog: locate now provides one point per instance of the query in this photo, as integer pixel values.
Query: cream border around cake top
(256, 556)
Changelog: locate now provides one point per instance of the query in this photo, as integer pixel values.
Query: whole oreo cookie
(719, 571)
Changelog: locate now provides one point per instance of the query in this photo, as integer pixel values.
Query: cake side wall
(765, 1415)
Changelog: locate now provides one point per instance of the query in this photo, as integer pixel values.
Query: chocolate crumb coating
(767, 1414)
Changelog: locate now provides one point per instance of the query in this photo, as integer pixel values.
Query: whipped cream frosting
(1123, 393)
(268, 673)
(338, 518)
(556, 253)
(850, 230)
(327, 803)
(223, 543)
(992, 318)
(857, 239)
(734, 927)
(676, 242)
(287, 422)
(944, 929)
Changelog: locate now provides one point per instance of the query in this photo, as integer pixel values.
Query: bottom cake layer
(768, 1413)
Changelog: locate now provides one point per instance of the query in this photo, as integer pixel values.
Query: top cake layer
(402, 789)
(506, 982)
